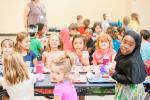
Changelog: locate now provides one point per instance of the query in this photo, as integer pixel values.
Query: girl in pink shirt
(104, 50)
(64, 89)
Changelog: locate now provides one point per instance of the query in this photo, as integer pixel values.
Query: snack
(105, 76)
(40, 77)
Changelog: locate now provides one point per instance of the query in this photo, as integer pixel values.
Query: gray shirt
(37, 14)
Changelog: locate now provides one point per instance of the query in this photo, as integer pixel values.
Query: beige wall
(142, 7)
(62, 13)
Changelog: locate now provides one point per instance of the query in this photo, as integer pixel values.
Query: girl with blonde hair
(104, 49)
(22, 46)
(17, 80)
(7, 47)
(60, 70)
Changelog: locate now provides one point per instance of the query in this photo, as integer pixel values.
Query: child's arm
(44, 58)
(58, 92)
(84, 58)
(26, 12)
(33, 77)
(46, 63)
(94, 63)
(113, 60)
(35, 61)
(84, 61)
(57, 98)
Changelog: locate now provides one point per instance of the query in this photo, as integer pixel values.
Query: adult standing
(105, 23)
(35, 12)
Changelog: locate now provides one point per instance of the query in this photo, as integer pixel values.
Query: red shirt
(81, 29)
(99, 55)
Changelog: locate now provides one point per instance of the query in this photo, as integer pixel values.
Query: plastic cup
(105, 61)
(39, 68)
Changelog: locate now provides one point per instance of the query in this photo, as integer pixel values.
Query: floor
(108, 97)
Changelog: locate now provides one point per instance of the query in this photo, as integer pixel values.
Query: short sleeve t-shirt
(65, 91)
(29, 58)
(35, 45)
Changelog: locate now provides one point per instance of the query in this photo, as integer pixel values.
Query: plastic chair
(147, 97)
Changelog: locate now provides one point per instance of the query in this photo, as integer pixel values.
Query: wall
(11, 19)
(62, 13)
(66, 11)
(142, 7)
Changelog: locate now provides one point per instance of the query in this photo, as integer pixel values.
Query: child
(80, 54)
(41, 36)
(73, 29)
(97, 29)
(90, 43)
(126, 22)
(134, 23)
(35, 44)
(41, 31)
(114, 35)
(7, 47)
(105, 23)
(79, 20)
(17, 80)
(129, 71)
(65, 36)
(60, 70)
(86, 24)
(104, 49)
(121, 31)
(22, 46)
(145, 47)
(54, 49)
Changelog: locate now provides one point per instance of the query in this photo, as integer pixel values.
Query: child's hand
(111, 71)
(100, 61)
(79, 53)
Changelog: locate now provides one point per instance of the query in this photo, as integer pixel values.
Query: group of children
(83, 49)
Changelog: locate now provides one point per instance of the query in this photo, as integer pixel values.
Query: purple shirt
(65, 91)
(37, 14)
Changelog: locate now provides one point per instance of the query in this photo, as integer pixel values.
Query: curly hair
(103, 36)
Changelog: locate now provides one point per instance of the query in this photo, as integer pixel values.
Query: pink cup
(39, 68)
(105, 61)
